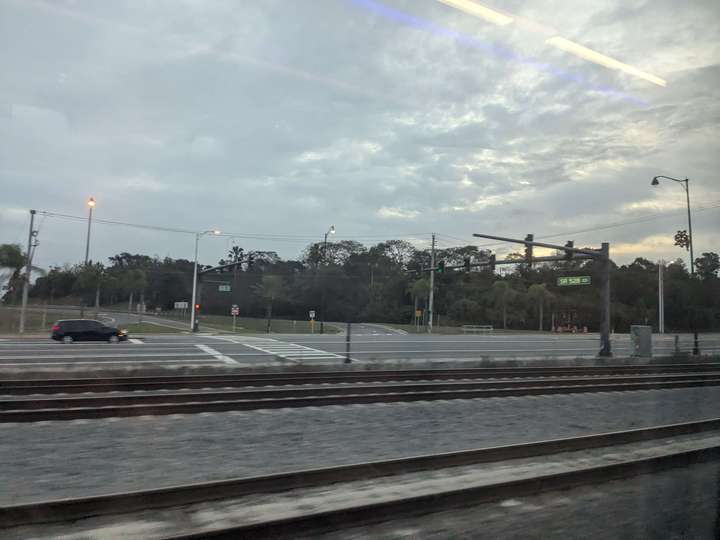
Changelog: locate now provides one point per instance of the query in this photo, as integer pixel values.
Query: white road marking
(135, 341)
(282, 349)
(216, 354)
(104, 362)
(100, 355)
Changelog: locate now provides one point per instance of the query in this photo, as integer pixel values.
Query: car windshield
(360, 269)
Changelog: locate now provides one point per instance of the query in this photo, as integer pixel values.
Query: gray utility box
(641, 340)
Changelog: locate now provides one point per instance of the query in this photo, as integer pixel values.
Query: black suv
(86, 330)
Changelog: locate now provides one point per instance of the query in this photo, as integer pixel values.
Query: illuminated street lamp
(91, 205)
(687, 242)
(193, 309)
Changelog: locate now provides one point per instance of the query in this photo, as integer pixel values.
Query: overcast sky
(388, 119)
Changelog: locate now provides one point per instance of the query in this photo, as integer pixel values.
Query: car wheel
(67, 339)
(113, 339)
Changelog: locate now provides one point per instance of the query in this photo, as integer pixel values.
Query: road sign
(181, 305)
(224, 288)
(235, 310)
(573, 280)
(312, 314)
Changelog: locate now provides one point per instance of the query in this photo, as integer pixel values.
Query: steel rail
(105, 384)
(131, 501)
(344, 390)
(313, 523)
(192, 407)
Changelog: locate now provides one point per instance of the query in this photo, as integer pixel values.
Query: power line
(617, 224)
(256, 236)
(290, 238)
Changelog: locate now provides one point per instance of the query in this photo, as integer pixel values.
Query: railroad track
(399, 490)
(128, 384)
(189, 402)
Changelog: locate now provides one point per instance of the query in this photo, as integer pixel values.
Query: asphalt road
(369, 343)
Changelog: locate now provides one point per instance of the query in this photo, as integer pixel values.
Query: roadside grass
(36, 319)
(149, 328)
(411, 329)
(252, 325)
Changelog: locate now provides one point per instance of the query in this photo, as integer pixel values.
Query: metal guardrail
(476, 328)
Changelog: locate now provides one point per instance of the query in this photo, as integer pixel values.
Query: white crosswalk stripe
(283, 349)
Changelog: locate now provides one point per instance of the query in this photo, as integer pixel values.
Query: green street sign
(573, 280)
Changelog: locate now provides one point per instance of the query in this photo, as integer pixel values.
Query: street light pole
(91, 204)
(331, 230)
(193, 328)
(685, 183)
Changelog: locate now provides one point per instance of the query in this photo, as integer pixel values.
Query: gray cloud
(283, 117)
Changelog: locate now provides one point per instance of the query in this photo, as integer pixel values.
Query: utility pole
(661, 297)
(28, 269)
(431, 301)
(194, 328)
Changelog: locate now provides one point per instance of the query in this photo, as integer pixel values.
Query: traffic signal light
(529, 249)
(492, 263)
(467, 264)
(197, 308)
(569, 254)
(441, 267)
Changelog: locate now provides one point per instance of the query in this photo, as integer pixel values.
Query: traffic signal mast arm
(592, 253)
(487, 262)
(220, 268)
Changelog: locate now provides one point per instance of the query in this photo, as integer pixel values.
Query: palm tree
(134, 280)
(270, 288)
(540, 294)
(418, 289)
(500, 295)
(12, 262)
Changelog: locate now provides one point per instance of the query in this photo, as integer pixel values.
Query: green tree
(270, 288)
(500, 295)
(134, 280)
(707, 265)
(418, 289)
(539, 293)
(12, 261)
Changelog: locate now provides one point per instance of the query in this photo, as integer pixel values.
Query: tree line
(347, 281)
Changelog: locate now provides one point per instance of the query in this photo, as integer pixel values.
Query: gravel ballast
(48, 460)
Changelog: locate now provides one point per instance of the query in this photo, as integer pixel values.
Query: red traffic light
(197, 307)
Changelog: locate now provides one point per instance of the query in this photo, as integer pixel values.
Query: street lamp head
(91, 202)
(332, 229)
(655, 181)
